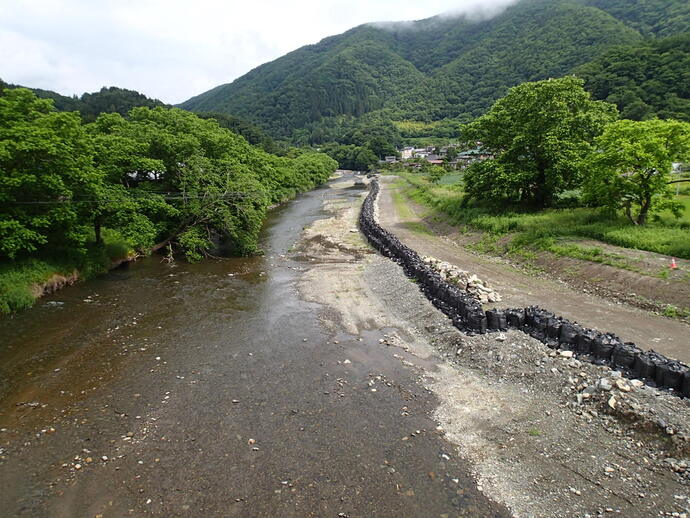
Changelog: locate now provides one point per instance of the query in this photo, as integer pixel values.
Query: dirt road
(520, 289)
(314, 381)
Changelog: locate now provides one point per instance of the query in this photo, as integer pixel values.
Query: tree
(631, 167)
(47, 179)
(538, 133)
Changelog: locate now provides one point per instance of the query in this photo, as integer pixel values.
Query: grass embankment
(515, 231)
(19, 278)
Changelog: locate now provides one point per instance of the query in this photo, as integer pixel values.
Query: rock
(347, 362)
(612, 402)
(637, 383)
(622, 385)
(604, 384)
(567, 354)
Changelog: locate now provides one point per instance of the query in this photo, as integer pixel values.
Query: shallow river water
(213, 390)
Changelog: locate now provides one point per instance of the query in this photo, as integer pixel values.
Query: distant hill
(438, 68)
(108, 100)
(119, 100)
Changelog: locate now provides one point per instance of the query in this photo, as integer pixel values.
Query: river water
(213, 390)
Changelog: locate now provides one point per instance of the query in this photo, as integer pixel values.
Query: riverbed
(214, 389)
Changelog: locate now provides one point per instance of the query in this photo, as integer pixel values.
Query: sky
(175, 49)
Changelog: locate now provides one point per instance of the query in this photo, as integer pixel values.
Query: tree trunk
(540, 190)
(644, 211)
(628, 212)
(97, 230)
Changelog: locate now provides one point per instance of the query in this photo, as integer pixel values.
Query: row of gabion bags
(468, 315)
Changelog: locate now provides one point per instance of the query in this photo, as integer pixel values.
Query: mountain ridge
(436, 68)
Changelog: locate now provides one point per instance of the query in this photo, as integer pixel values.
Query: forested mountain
(438, 68)
(90, 105)
(645, 81)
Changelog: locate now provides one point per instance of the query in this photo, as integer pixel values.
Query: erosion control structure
(468, 315)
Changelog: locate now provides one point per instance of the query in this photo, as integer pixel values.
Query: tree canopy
(160, 175)
(631, 166)
(46, 176)
(538, 133)
(645, 81)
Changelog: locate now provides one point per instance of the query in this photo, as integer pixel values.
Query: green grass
(672, 311)
(18, 277)
(548, 229)
(406, 213)
(450, 179)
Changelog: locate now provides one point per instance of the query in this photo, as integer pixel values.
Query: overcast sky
(174, 49)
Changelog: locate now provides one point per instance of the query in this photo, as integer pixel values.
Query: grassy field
(551, 229)
(18, 277)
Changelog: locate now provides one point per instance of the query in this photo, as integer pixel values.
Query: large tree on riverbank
(538, 134)
(631, 167)
(155, 177)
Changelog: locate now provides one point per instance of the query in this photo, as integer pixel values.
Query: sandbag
(645, 364)
(476, 321)
(685, 386)
(539, 319)
(670, 374)
(585, 341)
(604, 344)
(570, 333)
(624, 356)
(496, 320)
(553, 328)
(515, 318)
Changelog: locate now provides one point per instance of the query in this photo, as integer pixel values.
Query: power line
(176, 196)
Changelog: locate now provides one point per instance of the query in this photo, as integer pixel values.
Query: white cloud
(174, 49)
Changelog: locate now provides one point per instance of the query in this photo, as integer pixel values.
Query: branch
(678, 181)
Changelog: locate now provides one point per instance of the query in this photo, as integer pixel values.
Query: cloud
(174, 49)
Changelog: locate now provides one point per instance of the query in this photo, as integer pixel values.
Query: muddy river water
(214, 390)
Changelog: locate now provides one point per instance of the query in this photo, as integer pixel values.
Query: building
(473, 155)
(406, 153)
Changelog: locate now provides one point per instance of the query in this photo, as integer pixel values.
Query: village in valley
(448, 156)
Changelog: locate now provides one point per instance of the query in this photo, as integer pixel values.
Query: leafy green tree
(192, 182)
(538, 133)
(631, 166)
(47, 178)
(156, 177)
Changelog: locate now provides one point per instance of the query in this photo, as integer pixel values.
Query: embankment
(467, 314)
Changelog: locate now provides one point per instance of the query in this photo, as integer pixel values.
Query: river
(213, 389)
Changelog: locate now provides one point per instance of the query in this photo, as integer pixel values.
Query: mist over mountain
(448, 66)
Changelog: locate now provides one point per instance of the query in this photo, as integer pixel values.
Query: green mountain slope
(535, 41)
(645, 81)
(439, 67)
